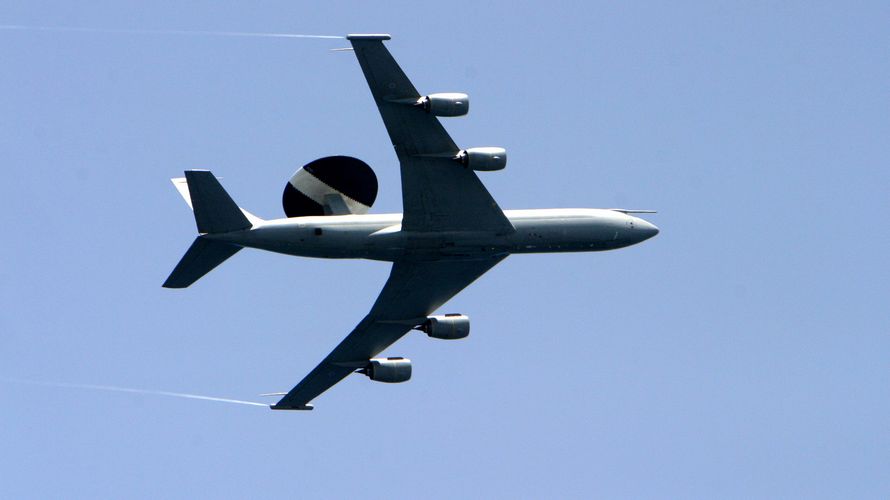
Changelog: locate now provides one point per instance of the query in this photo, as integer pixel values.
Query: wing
(437, 194)
(412, 292)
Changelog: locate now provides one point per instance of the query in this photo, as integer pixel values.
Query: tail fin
(200, 259)
(215, 212)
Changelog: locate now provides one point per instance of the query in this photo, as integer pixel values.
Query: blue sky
(741, 353)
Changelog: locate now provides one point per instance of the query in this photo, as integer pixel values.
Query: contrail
(17, 27)
(134, 391)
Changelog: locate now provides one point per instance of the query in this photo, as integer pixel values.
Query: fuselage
(379, 236)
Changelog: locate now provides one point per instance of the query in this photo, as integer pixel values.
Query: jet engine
(447, 327)
(333, 185)
(389, 370)
(445, 104)
(484, 159)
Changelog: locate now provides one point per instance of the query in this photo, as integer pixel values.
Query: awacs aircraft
(451, 232)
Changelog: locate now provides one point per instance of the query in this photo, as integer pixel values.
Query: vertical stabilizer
(215, 211)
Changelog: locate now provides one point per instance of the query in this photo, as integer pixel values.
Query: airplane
(451, 232)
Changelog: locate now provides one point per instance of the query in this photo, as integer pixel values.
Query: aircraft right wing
(438, 194)
(413, 291)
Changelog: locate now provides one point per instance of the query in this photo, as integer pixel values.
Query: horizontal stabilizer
(183, 187)
(200, 259)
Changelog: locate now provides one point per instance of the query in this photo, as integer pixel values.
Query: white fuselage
(379, 236)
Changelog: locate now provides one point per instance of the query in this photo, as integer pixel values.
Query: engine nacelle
(484, 159)
(389, 370)
(448, 327)
(445, 104)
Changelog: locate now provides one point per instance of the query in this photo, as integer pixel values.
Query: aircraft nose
(645, 229)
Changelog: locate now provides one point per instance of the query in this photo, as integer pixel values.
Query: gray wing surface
(413, 291)
(437, 193)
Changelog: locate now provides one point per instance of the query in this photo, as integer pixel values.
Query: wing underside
(438, 195)
(413, 291)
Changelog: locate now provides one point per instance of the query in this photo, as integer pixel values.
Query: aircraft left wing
(413, 291)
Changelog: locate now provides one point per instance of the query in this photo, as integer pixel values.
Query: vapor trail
(134, 391)
(16, 27)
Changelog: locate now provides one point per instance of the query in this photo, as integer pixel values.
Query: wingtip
(372, 36)
(283, 407)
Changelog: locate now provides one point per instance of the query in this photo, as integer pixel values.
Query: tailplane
(215, 212)
(200, 259)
